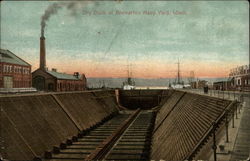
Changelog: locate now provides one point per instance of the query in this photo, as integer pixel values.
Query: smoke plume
(74, 7)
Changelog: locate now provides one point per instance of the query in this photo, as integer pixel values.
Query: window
(238, 82)
(19, 70)
(5, 68)
(27, 70)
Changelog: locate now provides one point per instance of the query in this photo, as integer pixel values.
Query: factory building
(52, 80)
(14, 71)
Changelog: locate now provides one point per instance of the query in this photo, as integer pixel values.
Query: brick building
(46, 80)
(199, 84)
(222, 85)
(240, 78)
(14, 71)
(51, 80)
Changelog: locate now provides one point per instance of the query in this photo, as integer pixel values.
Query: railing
(228, 114)
(230, 95)
(17, 90)
(212, 130)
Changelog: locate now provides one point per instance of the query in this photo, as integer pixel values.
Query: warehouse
(44, 79)
(14, 71)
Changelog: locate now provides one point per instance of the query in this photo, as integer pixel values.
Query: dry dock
(121, 125)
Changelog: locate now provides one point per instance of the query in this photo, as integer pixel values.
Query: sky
(101, 39)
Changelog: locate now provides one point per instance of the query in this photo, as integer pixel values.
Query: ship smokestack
(42, 52)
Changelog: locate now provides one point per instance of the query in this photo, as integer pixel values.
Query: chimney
(54, 69)
(76, 74)
(42, 53)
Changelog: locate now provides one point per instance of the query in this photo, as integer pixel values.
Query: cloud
(212, 33)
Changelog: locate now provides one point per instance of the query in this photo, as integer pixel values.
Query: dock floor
(241, 150)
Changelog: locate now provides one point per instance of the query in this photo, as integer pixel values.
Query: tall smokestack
(42, 53)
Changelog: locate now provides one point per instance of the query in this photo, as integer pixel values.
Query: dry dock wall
(88, 108)
(144, 99)
(169, 104)
(33, 124)
(182, 122)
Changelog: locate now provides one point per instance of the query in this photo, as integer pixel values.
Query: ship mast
(178, 73)
(129, 75)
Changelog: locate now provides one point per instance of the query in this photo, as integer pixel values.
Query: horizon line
(158, 77)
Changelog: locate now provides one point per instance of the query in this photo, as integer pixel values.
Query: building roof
(62, 75)
(8, 57)
(223, 80)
